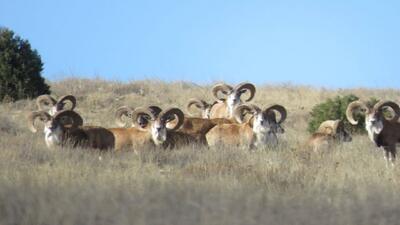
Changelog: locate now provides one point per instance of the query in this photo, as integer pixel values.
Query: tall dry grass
(284, 185)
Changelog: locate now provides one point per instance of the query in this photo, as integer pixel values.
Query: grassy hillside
(286, 185)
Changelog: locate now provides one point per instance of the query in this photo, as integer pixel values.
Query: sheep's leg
(272, 140)
(393, 154)
(390, 155)
(386, 156)
(252, 147)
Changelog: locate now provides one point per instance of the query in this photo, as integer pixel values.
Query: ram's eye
(65, 120)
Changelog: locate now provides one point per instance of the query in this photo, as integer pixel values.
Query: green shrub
(333, 109)
(20, 69)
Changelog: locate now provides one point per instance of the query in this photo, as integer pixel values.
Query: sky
(339, 44)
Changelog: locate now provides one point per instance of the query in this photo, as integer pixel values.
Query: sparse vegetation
(285, 185)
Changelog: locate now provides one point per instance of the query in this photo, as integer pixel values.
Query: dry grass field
(285, 185)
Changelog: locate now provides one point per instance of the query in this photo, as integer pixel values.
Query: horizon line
(209, 83)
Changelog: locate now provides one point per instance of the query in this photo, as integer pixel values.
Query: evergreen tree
(333, 109)
(20, 68)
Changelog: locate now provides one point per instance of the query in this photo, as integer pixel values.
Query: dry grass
(286, 185)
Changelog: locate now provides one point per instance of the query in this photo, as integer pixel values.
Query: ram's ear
(144, 125)
(143, 122)
(140, 114)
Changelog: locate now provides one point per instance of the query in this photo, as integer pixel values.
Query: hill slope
(286, 185)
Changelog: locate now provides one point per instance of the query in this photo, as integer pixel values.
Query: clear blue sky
(339, 43)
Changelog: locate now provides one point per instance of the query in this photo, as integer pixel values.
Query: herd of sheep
(229, 121)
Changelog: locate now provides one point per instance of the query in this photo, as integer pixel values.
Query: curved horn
(178, 115)
(76, 118)
(141, 111)
(154, 110)
(223, 88)
(70, 98)
(201, 104)
(279, 108)
(43, 100)
(123, 111)
(44, 116)
(393, 105)
(240, 111)
(350, 109)
(243, 87)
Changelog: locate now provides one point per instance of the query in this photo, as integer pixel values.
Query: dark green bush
(333, 109)
(20, 69)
